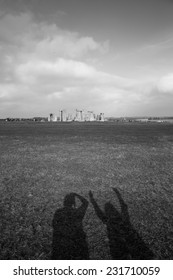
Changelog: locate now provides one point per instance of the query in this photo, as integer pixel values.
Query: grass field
(42, 162)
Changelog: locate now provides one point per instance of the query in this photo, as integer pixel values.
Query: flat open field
(40, 163)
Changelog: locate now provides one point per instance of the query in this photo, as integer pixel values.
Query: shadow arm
(124, 207)
(84, 204)
(97, 209)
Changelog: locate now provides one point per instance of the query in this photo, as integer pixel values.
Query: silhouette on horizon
(69, 239)
(124, 241)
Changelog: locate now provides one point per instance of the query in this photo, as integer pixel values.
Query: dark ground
(40, 163)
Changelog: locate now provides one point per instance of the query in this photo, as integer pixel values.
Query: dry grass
(41, 162)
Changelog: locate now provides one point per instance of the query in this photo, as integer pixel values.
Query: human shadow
(69, 239)
(124, 241)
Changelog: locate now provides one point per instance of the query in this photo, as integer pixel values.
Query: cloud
(13, 27)
(165, 84)
(34, 70)
(61, 68)
(55, 42)
(44, 67)
(157, 47)
(47, 40)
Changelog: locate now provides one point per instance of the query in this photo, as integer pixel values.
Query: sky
(110, 56)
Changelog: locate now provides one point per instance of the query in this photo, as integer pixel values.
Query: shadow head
(69, 201)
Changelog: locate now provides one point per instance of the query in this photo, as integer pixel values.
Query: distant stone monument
(52, 118)
(63, 117)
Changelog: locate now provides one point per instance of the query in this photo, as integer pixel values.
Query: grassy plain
(42, 162)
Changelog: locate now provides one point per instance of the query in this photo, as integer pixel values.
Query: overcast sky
(111, 56)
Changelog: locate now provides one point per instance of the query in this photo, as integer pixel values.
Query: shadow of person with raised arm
(69, 239)
(124, 241)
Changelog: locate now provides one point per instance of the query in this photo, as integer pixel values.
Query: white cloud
(34, 70)
(46, 40)
(63, 68)
(43, 67)
(165, 84)
(158, 46)
(67, 45)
